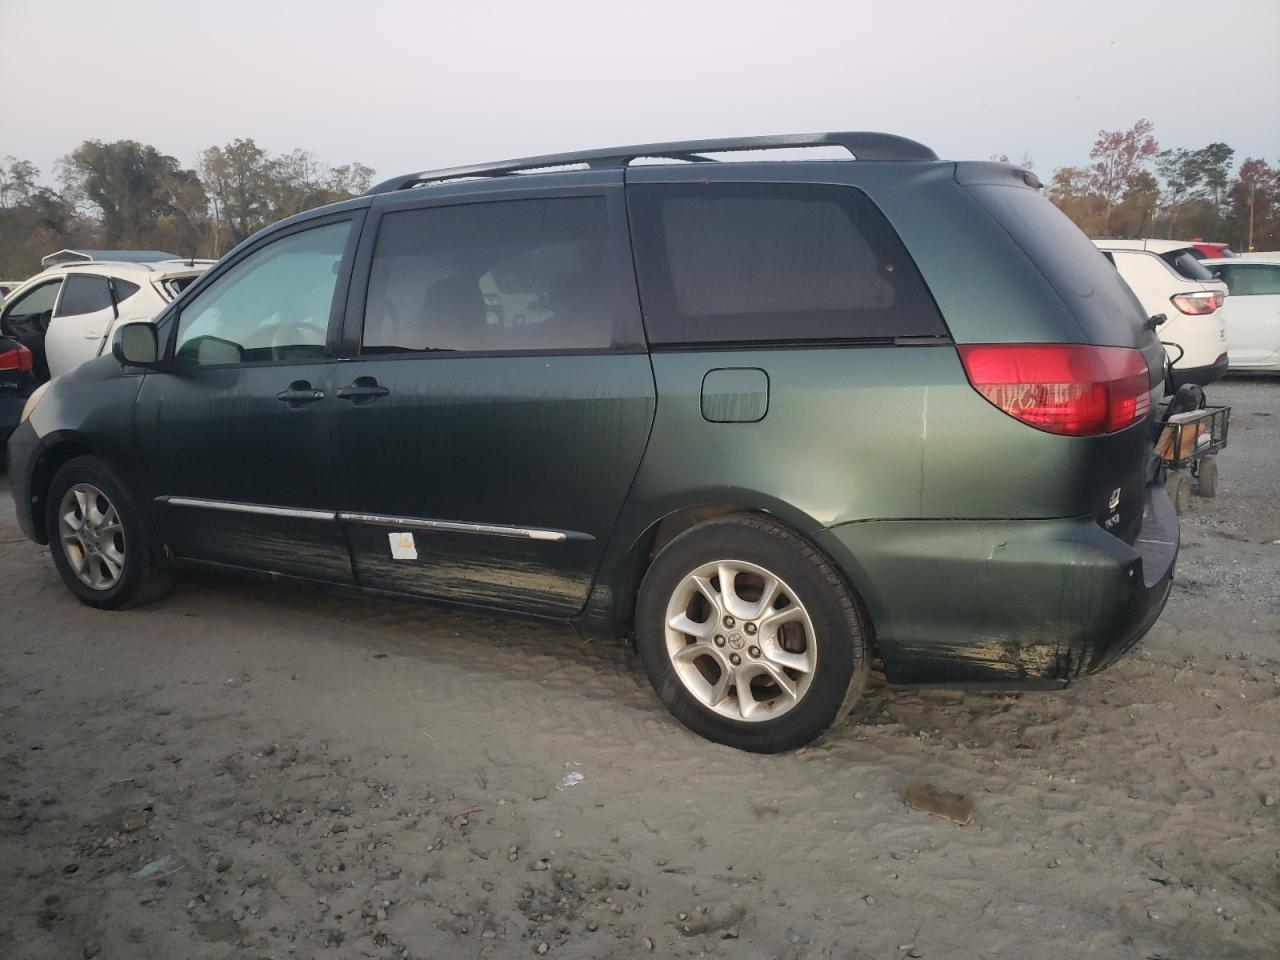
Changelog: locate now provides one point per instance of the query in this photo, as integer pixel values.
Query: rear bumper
(1210, 373)
(988, 601)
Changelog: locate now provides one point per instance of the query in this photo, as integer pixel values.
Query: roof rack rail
(862, 145)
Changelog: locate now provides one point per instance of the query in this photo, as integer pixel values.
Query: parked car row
(771, 419)
(66, 313)
(1220, 312)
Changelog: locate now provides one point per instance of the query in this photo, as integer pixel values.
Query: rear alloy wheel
(740, 641)
(100, 539)
(749, 635)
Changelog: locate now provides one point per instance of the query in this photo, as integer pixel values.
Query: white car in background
(1252, 311)
(1169, 280)
(66, 313)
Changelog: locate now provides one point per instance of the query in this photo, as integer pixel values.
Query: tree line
(129, 195)
(126, 194)
(1133, 188)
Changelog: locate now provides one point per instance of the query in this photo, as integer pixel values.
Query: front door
(493, 418)
(85, 312)
(26, 318)
(235, 428)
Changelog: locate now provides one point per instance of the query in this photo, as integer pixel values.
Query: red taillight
(1200, 303)
(18, 359)
(1072, 389)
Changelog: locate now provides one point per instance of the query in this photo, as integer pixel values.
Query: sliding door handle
(364, 390)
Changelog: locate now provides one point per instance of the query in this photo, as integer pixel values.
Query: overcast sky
(404, 86)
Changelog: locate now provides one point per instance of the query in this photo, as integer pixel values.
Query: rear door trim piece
(453, 526)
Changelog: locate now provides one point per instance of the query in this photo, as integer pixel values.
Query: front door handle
(299, 394)
(364, 390)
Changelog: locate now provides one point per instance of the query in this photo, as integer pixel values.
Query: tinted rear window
(1186, 265)
(742, 263)
(1090, 286)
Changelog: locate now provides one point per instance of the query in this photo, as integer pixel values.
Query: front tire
(749, 635)
(100, 539)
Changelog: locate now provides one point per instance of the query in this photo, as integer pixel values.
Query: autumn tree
(132, 185)
(1069, 189)
(236, 178)
(1119, 156)
(248, 188)
(1253, 200)
(33, 220)
(1214, 165)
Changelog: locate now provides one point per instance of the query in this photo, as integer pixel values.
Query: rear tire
(756, 672)
(100, 540)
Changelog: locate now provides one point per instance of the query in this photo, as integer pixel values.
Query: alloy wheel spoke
(712, 597)
(75, 554)
(768, 597)
(693, 628)
(82, 501)
(785, 658)
(788, 614)
(109, 520)
(734, 605)
(720, 689)
(112, 567)
(778, 676)
(692, 652)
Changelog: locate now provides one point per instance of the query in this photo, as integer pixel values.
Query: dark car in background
(772, 418)
(17, 382)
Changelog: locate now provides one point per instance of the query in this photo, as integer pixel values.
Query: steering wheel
(282, 337)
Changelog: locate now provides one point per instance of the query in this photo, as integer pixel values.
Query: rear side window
(83, 293)
(508, 276)
(766, 262)
(1186, 265)
(123, 289)
(1107, 310)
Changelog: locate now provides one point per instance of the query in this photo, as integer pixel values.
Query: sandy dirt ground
(252, 770)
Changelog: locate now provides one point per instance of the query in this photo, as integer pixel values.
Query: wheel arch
(610, 608)
(55, 451)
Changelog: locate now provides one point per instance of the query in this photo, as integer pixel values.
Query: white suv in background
(1168, 279)
(65, 314)
(1253, 310)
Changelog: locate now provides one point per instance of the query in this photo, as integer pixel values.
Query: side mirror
(1157, 320)
(136, 344)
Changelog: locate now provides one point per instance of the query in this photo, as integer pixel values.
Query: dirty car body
(543, 466)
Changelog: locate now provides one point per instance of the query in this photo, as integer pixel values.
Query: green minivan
(770, 417)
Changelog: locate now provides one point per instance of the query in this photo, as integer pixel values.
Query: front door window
(272, 306)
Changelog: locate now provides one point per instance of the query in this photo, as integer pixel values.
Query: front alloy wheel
(100, 539)
(92, 536)
(740, 640)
